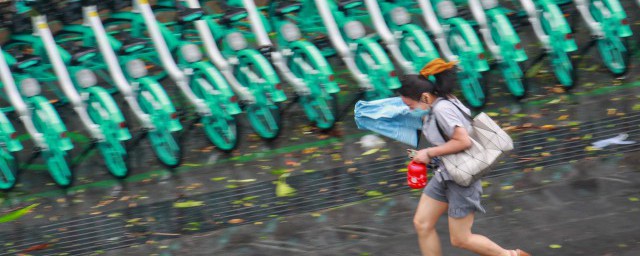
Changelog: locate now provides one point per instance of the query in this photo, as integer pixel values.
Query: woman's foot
(518, 252)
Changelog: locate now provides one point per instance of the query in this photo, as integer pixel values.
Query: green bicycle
(126, 72)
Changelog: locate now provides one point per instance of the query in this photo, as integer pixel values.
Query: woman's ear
(424, 98)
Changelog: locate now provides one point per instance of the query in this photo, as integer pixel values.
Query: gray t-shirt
(449, 117)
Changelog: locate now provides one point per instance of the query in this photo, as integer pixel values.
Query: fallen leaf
(591, 148)
(188, 204)
(370, 151)
(634, 199)
(242, 181)
(17, 214)
(555, 246)
(548, 127)
(236, 221)
(611, 111)
(563, 117)
(558, 90)
(509, 187)
(282, 188)
(373, 193)
(36, 248)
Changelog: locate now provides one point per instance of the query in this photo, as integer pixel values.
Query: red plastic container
(416, 175)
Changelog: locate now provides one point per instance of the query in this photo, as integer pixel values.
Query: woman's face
(414, 104)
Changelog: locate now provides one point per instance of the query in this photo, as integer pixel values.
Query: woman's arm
(460, 141)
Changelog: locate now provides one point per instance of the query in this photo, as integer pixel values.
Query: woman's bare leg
(461, 237)
(428, 212)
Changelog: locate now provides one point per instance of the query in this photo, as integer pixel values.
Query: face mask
(419, 112)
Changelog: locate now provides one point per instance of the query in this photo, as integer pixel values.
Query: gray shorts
(462, 200)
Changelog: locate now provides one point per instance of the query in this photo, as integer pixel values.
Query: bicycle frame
(307, 64)
(199, 81)
(363, 56)
(458, 42)
(608, 25)
(248, 68)
(503, 42)
(97, 110)
(408, 44)
(8, 139)
(39, 117)
(553, 31)
(159, 117)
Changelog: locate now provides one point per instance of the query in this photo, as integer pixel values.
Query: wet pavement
(553, 195)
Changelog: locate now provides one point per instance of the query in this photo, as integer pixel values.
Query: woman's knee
(423, 225)
(460, 240)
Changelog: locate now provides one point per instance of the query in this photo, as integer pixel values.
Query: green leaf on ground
(17, 214)
(634, 199)
(188, 204)
(373, 193)
(555, 246)
(370, 151)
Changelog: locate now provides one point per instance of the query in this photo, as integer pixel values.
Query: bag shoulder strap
(461, 111)
(444, 136)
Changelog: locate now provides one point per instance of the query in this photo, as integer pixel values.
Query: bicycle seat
(348, 4)
(233, 14)
(189, 14)
(24, 61)
(81, 53)
(132, 44)
(284, 7)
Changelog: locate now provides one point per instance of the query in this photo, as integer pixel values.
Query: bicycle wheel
(222, 132)
(166, 147)
(115, 157)
(471, 82)
(514, 78)
(163, 143)
(615, 54)
(319, 112)
(8, 170)
(58, 166)
(265, 120)
(614, 50)
(564, 68)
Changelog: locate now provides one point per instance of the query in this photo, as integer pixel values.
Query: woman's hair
(413, 86)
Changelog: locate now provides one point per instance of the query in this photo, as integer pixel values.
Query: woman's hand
(422, 156)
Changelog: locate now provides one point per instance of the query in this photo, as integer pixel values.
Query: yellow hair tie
(436, 66)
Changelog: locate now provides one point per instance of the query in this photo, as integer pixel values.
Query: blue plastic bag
(391, 118)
